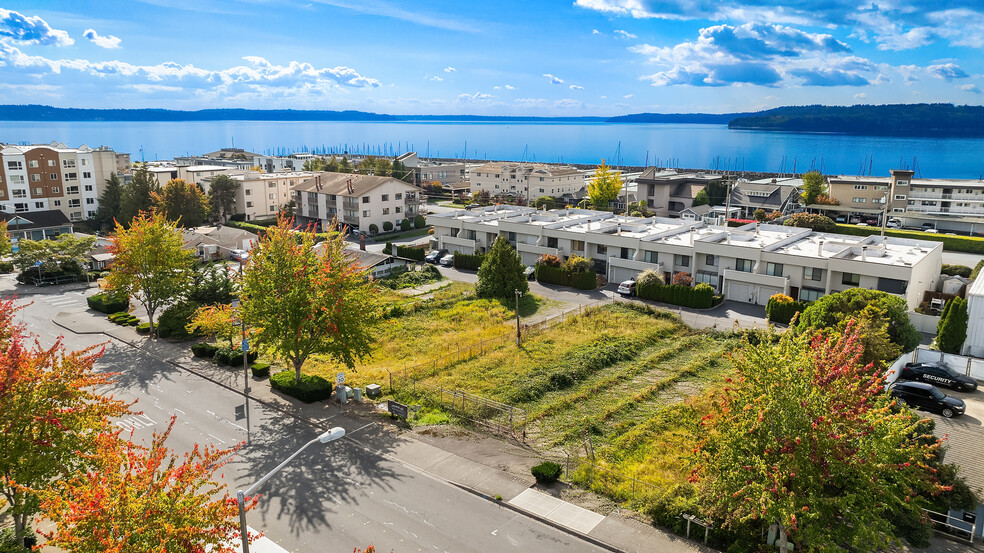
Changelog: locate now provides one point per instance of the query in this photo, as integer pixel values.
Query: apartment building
(357, 201)
(446, 173)
(527, 180)
(747, 264)
(667, 192)
(192, 174)
(54, 177)
(235, 158)
(283, 164)
(263, 195)
(900, 193)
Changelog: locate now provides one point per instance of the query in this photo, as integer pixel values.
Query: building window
(17, 194)
(860, 187)
(901, 183)
(248, 192)
(812, 273)
(850, 279)
(53, 176)
(810, 294)
(86, 175)
(35, 178)
(892, 286)
(386, 197)
(773, 269)
(38, 205)
(57, 203)
(399, 209)
(707, 277)
(249, 204)
(15, 166)
(51, 163)
(386, 211)
(74, 203)
(365, 199)
(681, 260)
(626, 253)
(859, 200)
(33, 164)
(71, 176)
(900, 196)
(71, 189)
(273, 208)
(743, 265)
(16, 179)
(928, 203)
(68, 164)
(75, 215)
(88, 188)
(37, 191)
(601, 249)
(274, 185)
(650, 257)
(20, 208)
(84, 161)
(577, 245)
(398, 196)
(551, 241)
(90, 201)
(710, 260)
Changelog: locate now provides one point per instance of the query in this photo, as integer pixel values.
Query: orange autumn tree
(49, 412)
(136, 499)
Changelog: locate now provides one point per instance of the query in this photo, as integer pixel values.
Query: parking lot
(964, 436)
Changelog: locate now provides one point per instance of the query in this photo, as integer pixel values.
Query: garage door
(738, 291)
(620, 274)
(764, 293)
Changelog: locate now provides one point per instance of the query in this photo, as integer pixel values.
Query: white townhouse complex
(263, 195)
(747, 264)
(527, 180)
(54, 177)
(355, 200)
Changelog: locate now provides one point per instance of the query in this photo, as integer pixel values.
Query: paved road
(333, 497)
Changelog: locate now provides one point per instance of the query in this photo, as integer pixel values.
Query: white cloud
(476, 98)
(624, 34)
(576, 87)
(449, 69)
(553, 80)
(969, 88)
(31, 30)
(568, 103)
(947, 71)
(108, 41)
(860, 96)
(595, 32)
(434, 78)
(509, 87)
(627, 96)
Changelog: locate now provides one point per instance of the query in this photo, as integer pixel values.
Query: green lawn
(383, 238)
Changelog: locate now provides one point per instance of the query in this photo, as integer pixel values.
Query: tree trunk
(298, 362)
(20, 527)
(150, 318)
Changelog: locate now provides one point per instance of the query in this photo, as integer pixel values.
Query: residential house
(774, 194)
(357, 201)
(526, 180)
(36, 225)
(378, 264)
(214, 243)
(667, 193)
(263, 195)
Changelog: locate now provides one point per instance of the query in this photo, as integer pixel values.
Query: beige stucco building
(355, 200)
(527, 180)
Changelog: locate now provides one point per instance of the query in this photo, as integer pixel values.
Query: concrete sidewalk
(370, 429)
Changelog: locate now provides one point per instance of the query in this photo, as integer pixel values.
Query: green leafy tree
(605, 186)
(402, 172)
(833, 310)
(951, 331)
(110, 203)
(814, 185)
(183, 202)
(419, 221)
(222, 191)
(806, 438)
(544, 202)
(501, 273)
(405, 224)
(315, 164)
(759, 214)
(5, 244)
(344, 166)
(305, 300)
(66, 253)
(815, 221)
(138, 195)
(701, 198)
(151, 265)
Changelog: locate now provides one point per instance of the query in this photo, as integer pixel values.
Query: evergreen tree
(332, 165)
(952, 328)
(222, 196)
(137, 195)
(109, 203)
(182, 201)
(501, 273)
(344, 166)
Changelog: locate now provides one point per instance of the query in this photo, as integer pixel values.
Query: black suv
(435, 255)
(938, 374)
(920, 395)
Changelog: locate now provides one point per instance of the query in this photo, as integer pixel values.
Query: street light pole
(244, 346)
(518, 333)
(329, 436)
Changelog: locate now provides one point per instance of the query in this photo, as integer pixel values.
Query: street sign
(240, 412)
(245, 345)
(340, 379)
(398, 409)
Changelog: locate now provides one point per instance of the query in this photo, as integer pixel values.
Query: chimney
(729, 238)
(618, 229)
(362, 242)
(820, 248)
(691, 236)
(864, 253)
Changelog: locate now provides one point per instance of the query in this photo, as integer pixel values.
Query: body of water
(676, 145)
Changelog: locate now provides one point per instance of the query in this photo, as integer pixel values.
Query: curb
(590, 539)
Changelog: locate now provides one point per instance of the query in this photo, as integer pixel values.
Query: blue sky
(583, 57)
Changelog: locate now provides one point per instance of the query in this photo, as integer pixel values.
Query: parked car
(920, 395)
(435, 255)
(938, 374)
(931, 230)
(627, 288)
(241, 256)
(447, 260)
(862, 224)
(840, 219)
(894, 223)
(530, 272)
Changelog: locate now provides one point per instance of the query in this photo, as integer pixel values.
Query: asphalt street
(333, 497)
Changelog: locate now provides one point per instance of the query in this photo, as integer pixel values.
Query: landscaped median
(969, 244)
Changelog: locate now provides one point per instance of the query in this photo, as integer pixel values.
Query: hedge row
(468, 261)
(106, 303)
(309, 389)
(782, 311)
(969, 244)
(409, 252)
(260, 370)
(698, 297)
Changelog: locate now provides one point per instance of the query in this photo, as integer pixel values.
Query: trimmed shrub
(584, 280)
(956, 270)
(417, 254)
(468, 261)
(781, 308)
(204, 350)
(817, 222)
(550, 260)
(969, 244)
(387, 226)
(388, 248)
(174, 320)
(107, 303)
(698, 297)
(683, 278)
(133, 321)
(577, 264)
(547, 472)
(550, 275)
(6, 267)
(260, 370)
(419, 221)
(405, 225)
(977, 269)
(233, 356)
(373, 229)
(650, 277)
(309, 389)
(143, 328)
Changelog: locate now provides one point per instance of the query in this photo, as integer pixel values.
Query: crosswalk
(70, 299)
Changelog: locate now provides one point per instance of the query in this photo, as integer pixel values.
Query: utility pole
(518, 333)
